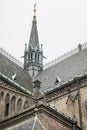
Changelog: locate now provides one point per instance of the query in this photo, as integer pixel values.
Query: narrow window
(38, 56)
(19, 105)
(1, 95)
(13, 104)
(7, 105)
(31, 56)
(7, 109)
(86, 106)
(35, 57)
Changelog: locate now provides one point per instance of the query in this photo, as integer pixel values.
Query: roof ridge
(10, 57)
(65, 56)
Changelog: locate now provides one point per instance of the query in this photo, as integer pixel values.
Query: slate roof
(34, 124)
(8, 68)
(15, 84)
(66, 70)
(34, 40)
(25, 126)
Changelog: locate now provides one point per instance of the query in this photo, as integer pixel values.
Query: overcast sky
(62, 25)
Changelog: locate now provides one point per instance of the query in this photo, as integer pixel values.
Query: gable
(32, 124)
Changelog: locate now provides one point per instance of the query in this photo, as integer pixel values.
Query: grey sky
(62, 25)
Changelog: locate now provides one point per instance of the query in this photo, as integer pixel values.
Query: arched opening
(35, 57)
(13, 104)
(38, 57)
(26, 105)
(31, 55)
(7, 98)
(19, 105)
(1, 95)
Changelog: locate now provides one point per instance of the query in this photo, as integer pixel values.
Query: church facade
(38, 97)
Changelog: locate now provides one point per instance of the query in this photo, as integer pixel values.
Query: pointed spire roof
(34, 40)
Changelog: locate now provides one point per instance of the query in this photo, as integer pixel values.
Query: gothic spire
(34, 40)
(33, 55)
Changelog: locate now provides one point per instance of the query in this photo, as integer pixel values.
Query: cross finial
(35, 9)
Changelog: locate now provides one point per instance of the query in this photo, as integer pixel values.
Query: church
(34, 96)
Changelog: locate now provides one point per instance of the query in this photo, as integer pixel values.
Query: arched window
(7, 99)
(19, 105)
(13, 104)
(26, 104)
(1, 95)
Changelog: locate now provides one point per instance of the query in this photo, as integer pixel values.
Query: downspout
(79, 103)
(74, 127)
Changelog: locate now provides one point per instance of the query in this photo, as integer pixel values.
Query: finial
(35, 9)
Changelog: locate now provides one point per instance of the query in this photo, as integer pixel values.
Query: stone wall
(51, 124)
(16, 101)
(68, 104)
(84, 106)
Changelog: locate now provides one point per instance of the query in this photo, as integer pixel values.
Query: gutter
(79, 102)
(74, 127)
(56, 87)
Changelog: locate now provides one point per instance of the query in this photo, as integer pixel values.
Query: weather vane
(35, 9)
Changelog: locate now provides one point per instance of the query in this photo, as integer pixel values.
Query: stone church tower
(33, 55)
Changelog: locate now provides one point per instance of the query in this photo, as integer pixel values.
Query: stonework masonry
(69, 105)
(7, 89)
(51, 124)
